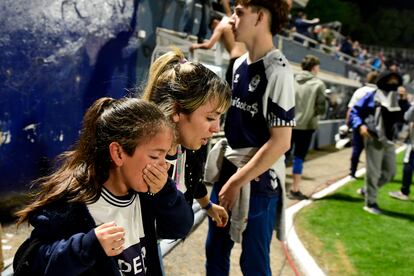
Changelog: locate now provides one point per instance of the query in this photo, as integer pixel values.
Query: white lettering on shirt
(253, 109)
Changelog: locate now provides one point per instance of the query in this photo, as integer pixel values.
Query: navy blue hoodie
(63, 241)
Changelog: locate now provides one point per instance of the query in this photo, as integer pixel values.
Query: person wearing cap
(357, 141)
(374, 116)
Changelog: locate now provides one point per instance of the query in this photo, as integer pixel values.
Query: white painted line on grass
(338, 184)
(302, 257)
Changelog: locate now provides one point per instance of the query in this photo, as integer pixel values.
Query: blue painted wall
(56, 58)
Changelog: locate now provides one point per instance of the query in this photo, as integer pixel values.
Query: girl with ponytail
(193, 98)
(96, 213)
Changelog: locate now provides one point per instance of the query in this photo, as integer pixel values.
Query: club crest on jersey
(254, 83)
(236, 78)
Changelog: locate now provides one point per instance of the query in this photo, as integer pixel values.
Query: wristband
(208, 206)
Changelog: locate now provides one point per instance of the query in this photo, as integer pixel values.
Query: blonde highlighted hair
(177, 85)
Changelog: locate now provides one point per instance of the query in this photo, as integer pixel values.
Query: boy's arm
(218, 31)
(265, 157)
(320, 102)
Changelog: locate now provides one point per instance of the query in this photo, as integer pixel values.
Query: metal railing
(329, 50)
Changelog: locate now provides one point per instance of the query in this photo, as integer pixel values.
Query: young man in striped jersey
(258, 130)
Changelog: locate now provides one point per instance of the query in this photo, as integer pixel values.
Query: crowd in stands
(325, 36)
(329, 39)
(320, 36)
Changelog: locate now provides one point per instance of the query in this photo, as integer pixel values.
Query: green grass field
(345, 240)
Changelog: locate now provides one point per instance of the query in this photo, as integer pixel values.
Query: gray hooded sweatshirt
(310, 100)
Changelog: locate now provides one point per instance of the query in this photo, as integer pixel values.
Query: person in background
(327, 38)
(347, 46)
(303, 24)
(404, 192)
(223, 6)
(357, 141)
(249, 170)
(377, 62)
(362, 57)
(392, 66)
(189, 17)
(223, 33)
(401, 129)
(374, 116)
(96, 213)
(310, 102)
(193, 98)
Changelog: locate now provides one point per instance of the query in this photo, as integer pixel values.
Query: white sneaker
(373, 209)
(398, 195)
(361, 192)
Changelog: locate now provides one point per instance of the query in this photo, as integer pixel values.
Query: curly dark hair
(279, 11)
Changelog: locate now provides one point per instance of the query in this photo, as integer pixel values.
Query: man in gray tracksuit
(374, 116)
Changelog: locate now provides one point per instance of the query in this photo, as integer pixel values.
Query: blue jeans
(357, 148)
(257, 237)
(300, 143)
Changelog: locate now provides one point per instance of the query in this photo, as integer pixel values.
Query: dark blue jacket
(63, 241)
(194, 169)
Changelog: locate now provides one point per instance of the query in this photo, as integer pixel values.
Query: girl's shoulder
(60, 220)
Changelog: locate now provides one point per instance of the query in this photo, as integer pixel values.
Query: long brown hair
(83, 170)
(178, 85)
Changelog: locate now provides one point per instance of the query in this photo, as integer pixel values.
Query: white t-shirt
(126, 212)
